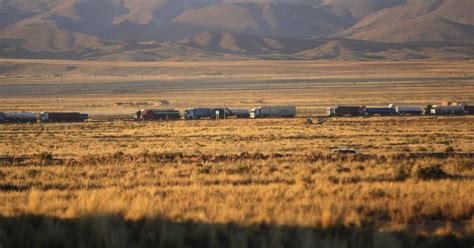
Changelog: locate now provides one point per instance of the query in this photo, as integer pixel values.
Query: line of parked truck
(217, 113)
(26, 117)
(290, 111)
(446, 108)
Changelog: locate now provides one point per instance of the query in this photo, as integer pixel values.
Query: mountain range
(155, 30)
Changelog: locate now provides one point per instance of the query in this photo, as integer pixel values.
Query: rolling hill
(144, 30)
(265, 19)
(418, 20)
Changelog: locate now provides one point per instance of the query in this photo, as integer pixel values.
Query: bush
(343, 170)
(44, 158)
(432, 172)
(400, 174)
(449, 149)
(118, 155)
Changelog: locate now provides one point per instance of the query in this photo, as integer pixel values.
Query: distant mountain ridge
(237, 29)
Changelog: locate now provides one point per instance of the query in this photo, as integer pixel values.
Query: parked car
(344, 150)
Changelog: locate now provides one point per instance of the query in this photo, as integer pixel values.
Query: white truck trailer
(268, 112)
(448, 110)
(408, 110)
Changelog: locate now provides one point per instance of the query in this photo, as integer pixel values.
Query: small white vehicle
(345, 150)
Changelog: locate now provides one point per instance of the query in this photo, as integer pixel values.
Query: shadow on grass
(114, 231)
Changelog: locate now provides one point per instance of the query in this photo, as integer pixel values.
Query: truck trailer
(158, 114)
(63, 117)
(469, 109)
(239, 113)
(268, 112)
(346, 111)
(220, 113)
(382, 111)
(19, 117)
(447, 110)
(197, 113)
(408, 110)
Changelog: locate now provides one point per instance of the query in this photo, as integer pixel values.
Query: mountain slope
(57, 25)
(233, 46)
(147, 30)
(264, 19)
(418, 20)
(359, 9)
(247, 44)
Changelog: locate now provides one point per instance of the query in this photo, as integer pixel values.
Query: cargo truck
(19, 117)
(469, 109)
(408, 110)
(158, 114)
(63, 117)
(447, 110)
(197, 113)
(382, 111)
(220, 113)
(268, 112)
(239, 113)
(346, 111)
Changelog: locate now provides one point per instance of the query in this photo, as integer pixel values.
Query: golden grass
(266, 182)
(247, 172)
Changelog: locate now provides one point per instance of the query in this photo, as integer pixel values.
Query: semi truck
(382, 111)
(346, 111)
(408, 110)
(220, 113)
(197, 113)
(239, 113)
(18, 117)
(268, 112)
(63, 117)
(448, 110)
(158, 114)
(469, 109)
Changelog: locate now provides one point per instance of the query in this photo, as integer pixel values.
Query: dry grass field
(239, 182)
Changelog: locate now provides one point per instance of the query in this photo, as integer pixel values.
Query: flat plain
(236, 182)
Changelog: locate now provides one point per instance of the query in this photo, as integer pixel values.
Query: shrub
(400, 174)
(343, 170)
(118, 155)
(432, 172)
(33, 173)
(377, 193)
(44, 158)
(449, 149)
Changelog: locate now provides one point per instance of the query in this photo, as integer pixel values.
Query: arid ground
(236, 182)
